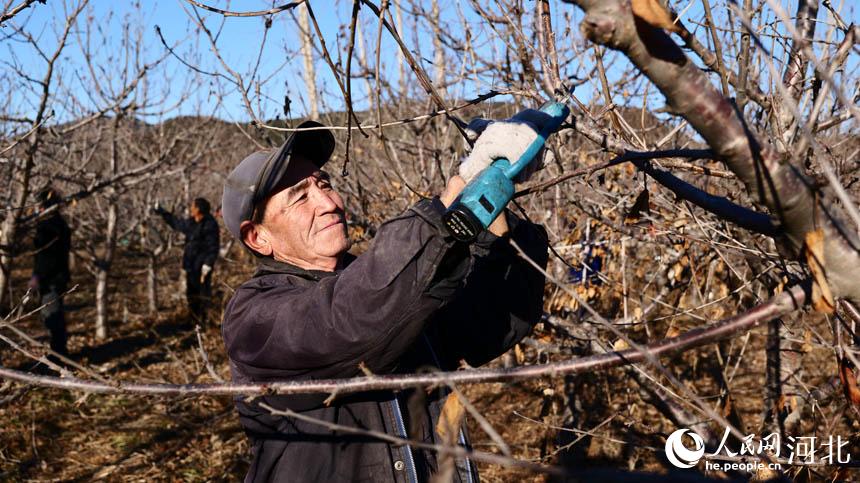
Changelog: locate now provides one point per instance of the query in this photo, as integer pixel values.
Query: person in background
(202, 241)
(53, 242)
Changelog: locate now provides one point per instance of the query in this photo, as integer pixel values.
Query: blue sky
(239, 42)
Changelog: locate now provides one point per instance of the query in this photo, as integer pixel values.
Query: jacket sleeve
(211, 242)
(371, 312)
(182, 225)
(46, 235)
(501, 302)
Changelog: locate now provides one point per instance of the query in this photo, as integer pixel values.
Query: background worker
(202, 242)
(52, 242)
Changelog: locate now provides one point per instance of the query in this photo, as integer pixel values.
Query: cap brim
(316, 143)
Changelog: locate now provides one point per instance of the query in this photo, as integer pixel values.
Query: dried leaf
(849, 382)
(641, 205)
(822, 297)
(519, 354)
(451, 418)
(764, 473)
(657, 15)
(672, 332)
(620, 345)
(806, 347)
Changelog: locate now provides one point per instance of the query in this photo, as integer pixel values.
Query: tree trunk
(152, 285)
(438, 50)
(7, 235)
(362, 58)
(401, 60)
(103, 265)
(308, 73)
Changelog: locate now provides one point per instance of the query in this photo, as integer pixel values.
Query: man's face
(306, 220)
(193, 210)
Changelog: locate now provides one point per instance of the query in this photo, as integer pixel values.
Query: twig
(17, 9)
(257, 13)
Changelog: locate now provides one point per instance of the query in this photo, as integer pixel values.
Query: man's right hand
(452, 190)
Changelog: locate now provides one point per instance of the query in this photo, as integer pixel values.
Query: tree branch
(783, 303)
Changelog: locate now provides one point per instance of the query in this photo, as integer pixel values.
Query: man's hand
(503, 139)
(452, 190)
(204, 270)
(157, 208)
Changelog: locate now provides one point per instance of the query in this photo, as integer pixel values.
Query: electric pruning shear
(489, 192)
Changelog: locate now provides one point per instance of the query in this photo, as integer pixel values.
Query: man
(415, 299)
(201, 251)
(53, 242)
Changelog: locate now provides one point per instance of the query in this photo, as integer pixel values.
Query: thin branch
(16, 10)
(256, 13)
(622, 158)
(718, 205)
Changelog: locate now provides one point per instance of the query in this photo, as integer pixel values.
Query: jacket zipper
(462, 435)
(400, 428)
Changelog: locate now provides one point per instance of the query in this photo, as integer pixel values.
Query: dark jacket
(202, 240)
(53, 242)
(415, 299)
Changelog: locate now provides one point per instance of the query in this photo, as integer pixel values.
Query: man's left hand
(507, 139)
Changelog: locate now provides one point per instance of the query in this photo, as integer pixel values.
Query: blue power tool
(490, 191)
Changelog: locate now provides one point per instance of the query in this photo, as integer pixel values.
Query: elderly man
(415, 299)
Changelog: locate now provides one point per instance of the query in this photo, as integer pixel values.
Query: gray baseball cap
(256, 177)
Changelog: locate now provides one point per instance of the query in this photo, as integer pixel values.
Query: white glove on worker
(204, 270)
(503, 139)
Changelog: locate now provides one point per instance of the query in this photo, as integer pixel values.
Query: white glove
(503, 139)
(157, 208)
(204, 270)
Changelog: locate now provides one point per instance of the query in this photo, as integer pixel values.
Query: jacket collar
(268, 266)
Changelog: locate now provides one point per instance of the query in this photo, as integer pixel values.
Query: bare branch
(783, 303)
